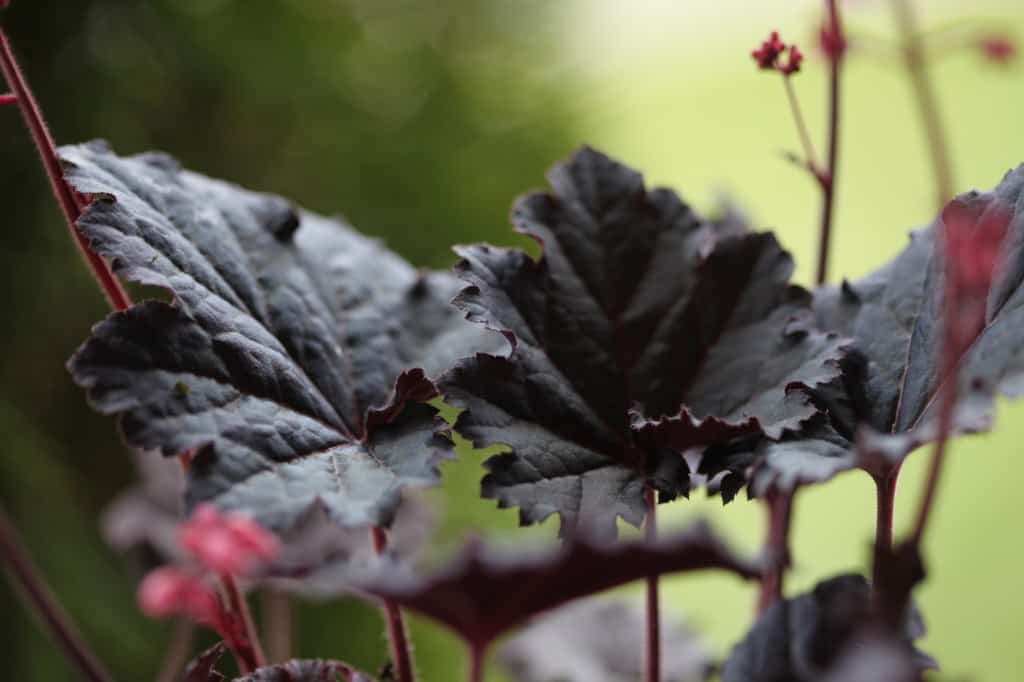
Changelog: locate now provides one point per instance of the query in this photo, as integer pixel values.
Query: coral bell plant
(294, 374)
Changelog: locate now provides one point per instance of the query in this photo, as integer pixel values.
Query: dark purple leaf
(801, 639)
(483, 594)
(289, 355)
(887, 395)
(306, 671)
(601, 640)
(201, 669)
(636, 309)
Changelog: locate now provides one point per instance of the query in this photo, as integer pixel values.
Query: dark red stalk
(652, 659)
(24, 574)
(885, 489)
(69, 201)
(828, 180)
(246, 648)
(780, 511)
(401, 658)
(475, 672)
(946, 406)
(917, 67)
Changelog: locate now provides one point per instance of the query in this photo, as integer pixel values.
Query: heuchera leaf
(483, 594)
(598, 639)
(801, 639)
(290, 355)
(642, 331)
(887, 394)
(306, 671)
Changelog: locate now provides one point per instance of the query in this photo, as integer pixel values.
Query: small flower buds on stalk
(768, 56)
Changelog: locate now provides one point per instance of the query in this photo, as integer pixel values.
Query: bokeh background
(420, 120)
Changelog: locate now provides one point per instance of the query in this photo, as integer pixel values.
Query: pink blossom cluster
(225, 545)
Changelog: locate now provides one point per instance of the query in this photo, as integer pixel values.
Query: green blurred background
(420, 120)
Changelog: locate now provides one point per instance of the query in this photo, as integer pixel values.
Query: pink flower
(170, 591)
(227, 544)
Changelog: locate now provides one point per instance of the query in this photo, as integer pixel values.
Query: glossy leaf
(289, 356)
(641, 332)
(482, 594)
(887, 395)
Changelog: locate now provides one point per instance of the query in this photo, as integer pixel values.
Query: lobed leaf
(292, 354)
(482, 594)
(886, 397)
(641, 332)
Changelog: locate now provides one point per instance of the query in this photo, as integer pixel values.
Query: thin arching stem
(69, 201)
(652, 658)
(927, 103)
(42, 601)
(401, 657)
(810, 157)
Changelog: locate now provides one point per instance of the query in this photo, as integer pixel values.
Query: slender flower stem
(475, 673)
(400, 654)
(917, 67)
(278, 625)
(47, 608)
(69, 201)
(8, 98)
(248, 652)
(179, 648)
(828, 178)
(780, 512)
(652, 659)
(948, 388)
(811, 158)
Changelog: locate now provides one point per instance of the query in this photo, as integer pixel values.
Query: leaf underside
(291, 357)
(598, 639)
(887, 394)
(641, 332)
(483, 594)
